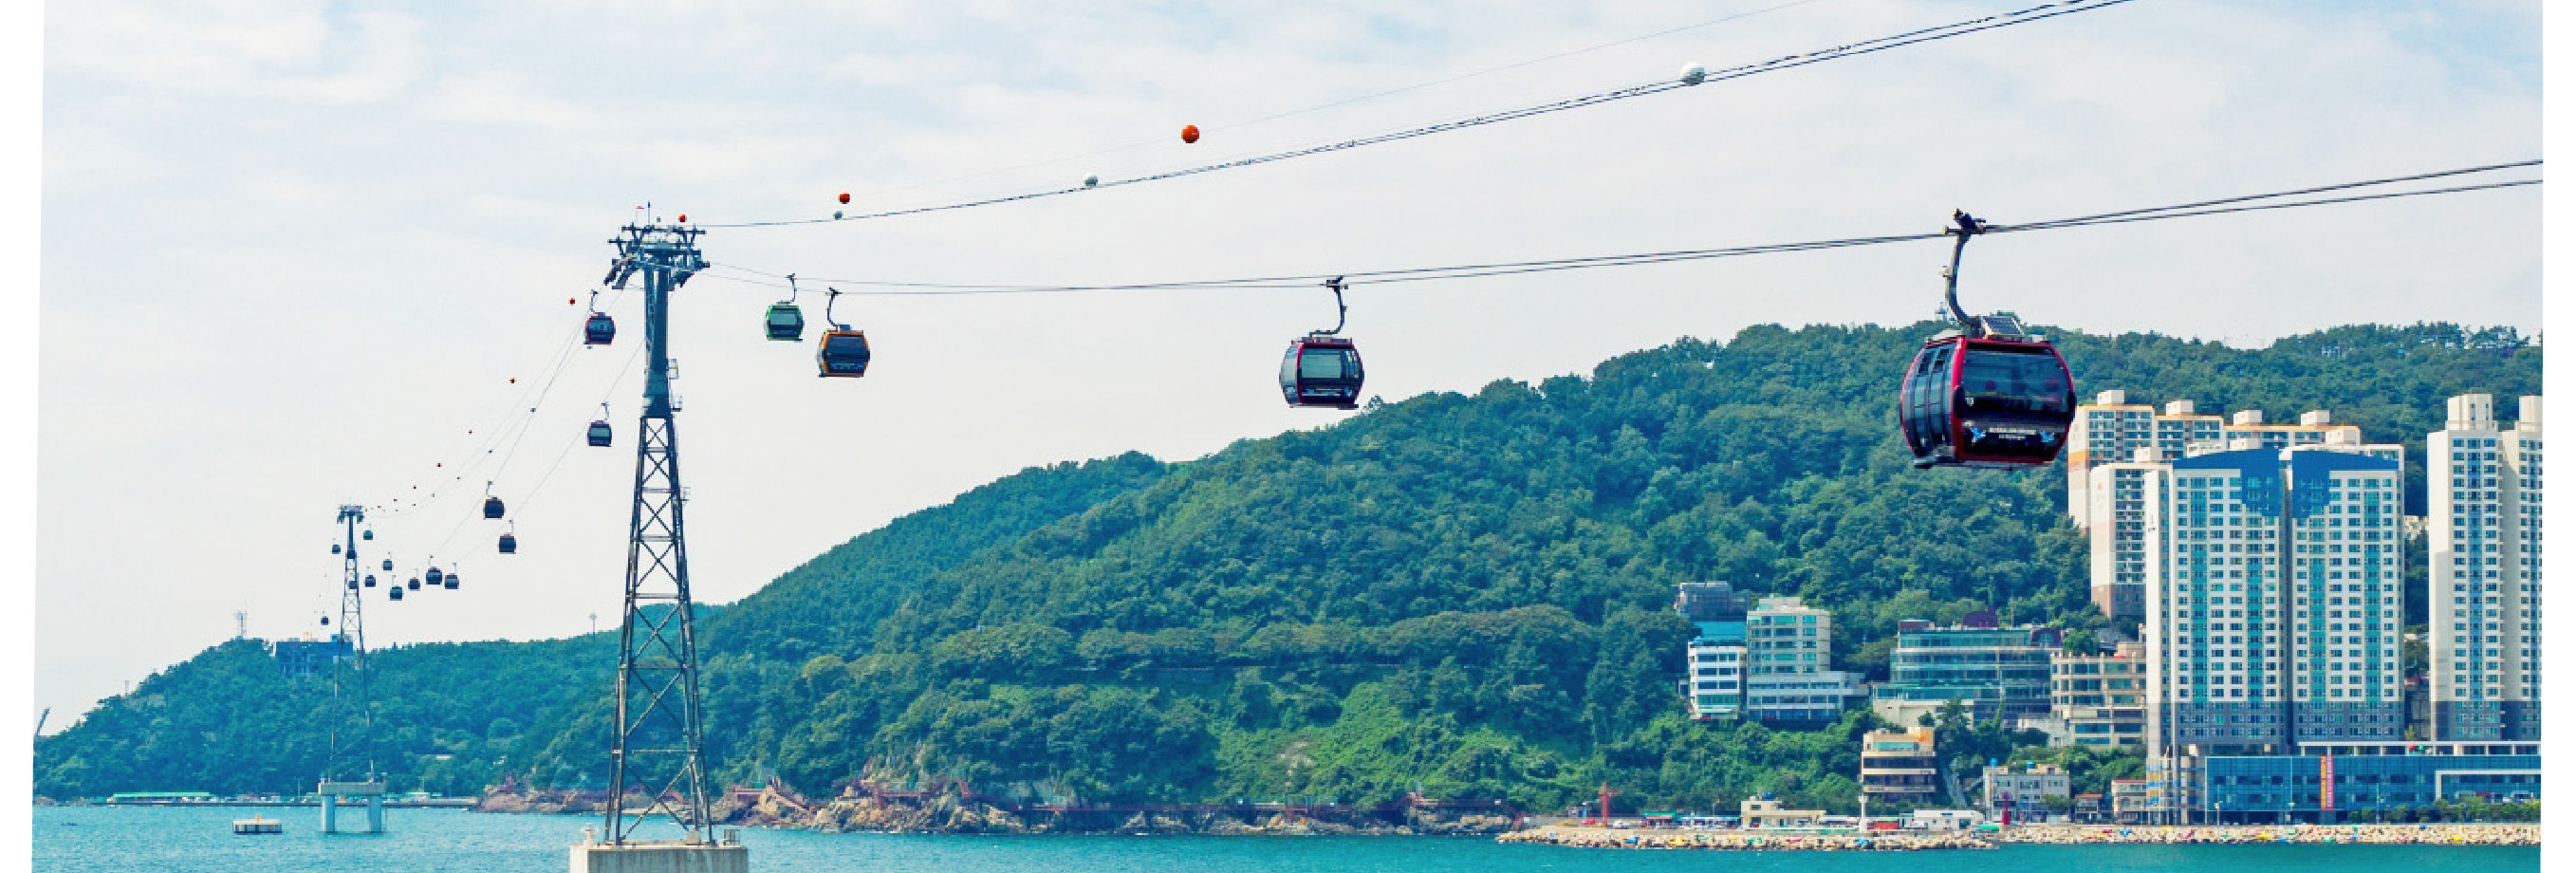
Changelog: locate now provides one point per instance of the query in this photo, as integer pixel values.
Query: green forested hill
(1464, 594)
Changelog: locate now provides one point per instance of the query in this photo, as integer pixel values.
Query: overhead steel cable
(2346, 186)
(1237, 125)
(1922, 35)
(2225, 205)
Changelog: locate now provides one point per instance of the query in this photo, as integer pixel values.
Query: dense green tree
(1454, 594)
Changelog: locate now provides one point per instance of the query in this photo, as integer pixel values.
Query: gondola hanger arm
(1962, 226)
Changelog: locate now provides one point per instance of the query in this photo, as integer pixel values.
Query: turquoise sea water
(118, 840)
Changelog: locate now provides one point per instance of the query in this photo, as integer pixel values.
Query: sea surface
(95, 839)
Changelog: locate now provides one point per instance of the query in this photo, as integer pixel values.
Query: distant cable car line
(2220, 206)
(1693, 77)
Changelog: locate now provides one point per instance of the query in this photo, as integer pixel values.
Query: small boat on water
(258, 825)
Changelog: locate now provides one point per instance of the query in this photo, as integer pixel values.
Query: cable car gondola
(841, 351)
(509, 544)
(394, 592)
(451, 581)
(491, 504)
(435, 576)
(1322, 369)
(600, 434)
(1987, 394)
(353, 584)
(371, 580)
(389, 565)
(367, 535)
(326, 621)
(785, 322)
(600, 329)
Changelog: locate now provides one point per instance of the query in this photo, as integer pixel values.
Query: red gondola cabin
(2001, 399)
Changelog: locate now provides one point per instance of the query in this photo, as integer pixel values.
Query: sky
(296, 255)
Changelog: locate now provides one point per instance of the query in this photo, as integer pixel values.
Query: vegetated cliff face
(1451, 595)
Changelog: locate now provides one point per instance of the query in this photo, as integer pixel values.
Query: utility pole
(657, 737)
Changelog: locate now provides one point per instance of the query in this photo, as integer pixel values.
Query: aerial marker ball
(1091, 181)
(1694, 74)
(1189, 133)
(836, 215)
(845, 197)
(572, 301)
(684, 218)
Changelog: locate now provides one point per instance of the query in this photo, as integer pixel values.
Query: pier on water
(331, 793)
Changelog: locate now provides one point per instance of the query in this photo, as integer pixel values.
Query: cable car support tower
(656, 741)
(354, 715)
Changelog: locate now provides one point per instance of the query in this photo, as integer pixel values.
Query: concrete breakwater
(2367, 834)
(1621, 838)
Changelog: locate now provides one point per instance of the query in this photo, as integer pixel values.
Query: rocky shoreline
(949, 813)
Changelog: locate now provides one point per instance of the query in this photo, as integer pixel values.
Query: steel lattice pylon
(353, 627)
(657, 733)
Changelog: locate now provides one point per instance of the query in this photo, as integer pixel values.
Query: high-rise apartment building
(2111, 429)
(2112, 433)
(2483, 612)
(2274, 611)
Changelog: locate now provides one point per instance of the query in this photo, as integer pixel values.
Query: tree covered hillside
(1465, 594)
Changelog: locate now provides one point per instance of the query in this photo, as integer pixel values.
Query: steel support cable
(560, 349)
(1237, 125)
(478, 446)
(558, 353)
(2257, 207)
(516, 427)
(1419, 274)
(1848, 50)
(2320, 189)
(527, 499)
(525, 425)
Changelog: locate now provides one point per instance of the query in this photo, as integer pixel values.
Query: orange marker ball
(1189, 133)
(684, 218)
(845, 196)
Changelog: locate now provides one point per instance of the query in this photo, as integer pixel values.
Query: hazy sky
(293, 252)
